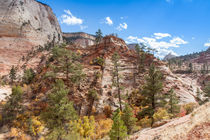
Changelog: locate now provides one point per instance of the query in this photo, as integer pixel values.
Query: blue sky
(176, 26)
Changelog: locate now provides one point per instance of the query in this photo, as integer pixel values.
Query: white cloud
(69, 19)
(122, 26)
(83, 27)
(161, 35)
(163, 47)
(207, 44)
(178, 40)
(108, 21)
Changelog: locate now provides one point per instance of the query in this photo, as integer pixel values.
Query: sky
(170, 26)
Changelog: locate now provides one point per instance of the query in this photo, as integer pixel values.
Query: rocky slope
(80, 39)
(195, 126)
(130, 80)
(23, 25)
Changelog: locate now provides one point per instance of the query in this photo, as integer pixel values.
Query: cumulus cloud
(163, 47)
(122, 26)
(108, 21)
(207, 44)
(161, 35)
(178, 40)
(69, 19)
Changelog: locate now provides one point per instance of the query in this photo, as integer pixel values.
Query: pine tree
(207, 92)
(92, 96)
(59, 110)
(98, 36)
(173, 103)
(152, 93)
(12, 74)
(190, 67)
(28, 76)
(13, 107)
(119, 130)
(129, 119)
(116, 76)
(67, 62)
(140, 57)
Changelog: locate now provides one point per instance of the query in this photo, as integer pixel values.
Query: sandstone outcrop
(194, 126)
(23, 25)
(79, 39)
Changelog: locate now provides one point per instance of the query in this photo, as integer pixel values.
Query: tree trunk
(90, 107)
(153, 109)
(118, 89)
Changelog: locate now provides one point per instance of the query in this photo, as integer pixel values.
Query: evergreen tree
(59, 111)
(98, 36)
(92, 96)
(207, 92)
(13, 107)
(12, 74)
(28, 76)
(129, 119)
(152, 93)
(67, 62)
(173, 103)
(140, 57)
(190, 67)
(119, 130)
(116, 76)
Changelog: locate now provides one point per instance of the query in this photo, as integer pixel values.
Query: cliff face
(23, 25)
(80, 39)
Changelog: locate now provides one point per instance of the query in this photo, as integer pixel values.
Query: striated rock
(194, 126)
(23, 25)
(79, 39)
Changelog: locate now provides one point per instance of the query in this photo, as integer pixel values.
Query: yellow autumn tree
(103, 127)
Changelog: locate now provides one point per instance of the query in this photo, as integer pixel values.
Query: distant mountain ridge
(169, 56)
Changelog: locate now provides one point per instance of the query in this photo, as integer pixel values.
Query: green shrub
(190, 107)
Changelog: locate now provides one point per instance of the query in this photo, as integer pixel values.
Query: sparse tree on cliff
(99, 36)
(207, 92)
(119, 130)
(28, 76)
(67, 62)
(116, 76)
(173, 103)
(13, 107)
(92, 96)
(140, 57)
(190, 67)
(129, 119)
(59, 111)
(12, 74)
(152, 93)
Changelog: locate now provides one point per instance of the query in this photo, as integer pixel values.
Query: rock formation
(194, 126)
(169, 56)
(80, 39)
(23, 25)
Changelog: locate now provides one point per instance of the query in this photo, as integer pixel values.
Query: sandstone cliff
(23, 25)
(80, 39)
